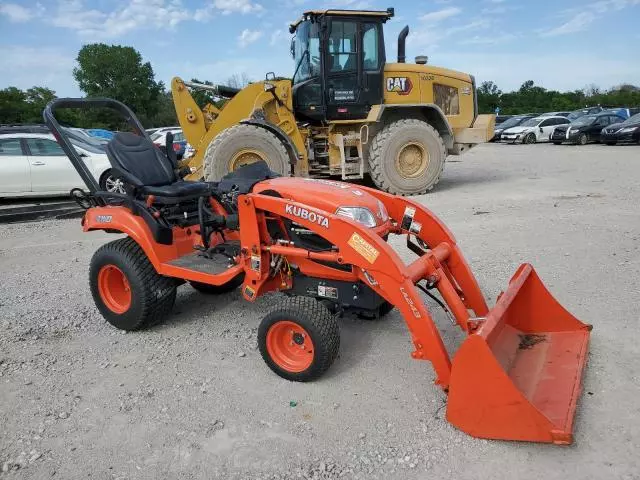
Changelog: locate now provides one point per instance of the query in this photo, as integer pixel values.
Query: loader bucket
(519, 375)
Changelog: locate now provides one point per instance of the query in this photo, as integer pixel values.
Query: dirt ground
(192, 398)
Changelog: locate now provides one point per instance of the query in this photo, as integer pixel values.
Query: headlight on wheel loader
(359, 214)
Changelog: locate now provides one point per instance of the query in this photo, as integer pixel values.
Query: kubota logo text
(400, 85)
(305, 214)
(407, 298)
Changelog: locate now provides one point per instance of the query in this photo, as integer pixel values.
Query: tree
(488, 97)
(12, 105)
(118, 72)
(238, 81)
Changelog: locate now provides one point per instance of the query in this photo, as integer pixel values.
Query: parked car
(623, 112)
(33, 164)
(514, 121)
(179, 142)
(584, 129)
(537, 129)
(555, 114)
(584, 111)
(502, 118)
(100, 133)
(625, 132)
(151, 131)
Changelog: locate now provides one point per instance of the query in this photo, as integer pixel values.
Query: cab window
(342, 47)
(370, 46)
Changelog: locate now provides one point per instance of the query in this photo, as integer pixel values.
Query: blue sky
(560, 44)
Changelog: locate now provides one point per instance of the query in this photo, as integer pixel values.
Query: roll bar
(62, 138)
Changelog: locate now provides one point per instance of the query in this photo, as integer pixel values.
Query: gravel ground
(192, 398)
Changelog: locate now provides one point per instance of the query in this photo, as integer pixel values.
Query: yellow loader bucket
(519, 375)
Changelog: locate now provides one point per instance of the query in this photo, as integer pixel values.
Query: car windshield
(632, 120)
(574, 115)
(511, 122)
(532, 122)
(584, 120)
(155, 136)
(84, 141)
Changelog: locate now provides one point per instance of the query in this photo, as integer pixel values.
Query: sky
(559, 44)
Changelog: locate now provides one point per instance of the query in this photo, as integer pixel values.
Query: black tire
(217, 289)
(530, 138)
(557, 143)
(220, 156)
(582, 139)
(386, 147)
(321, 326)
(152, 295)
(108, 183)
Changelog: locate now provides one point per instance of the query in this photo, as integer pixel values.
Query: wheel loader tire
(407, 157)
(127, 290)
(300, 340)
(217, 289)
(240, 145)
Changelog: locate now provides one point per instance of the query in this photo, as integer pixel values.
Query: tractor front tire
(241, 145)
(407, 157)
(126, 288)
(299, 340)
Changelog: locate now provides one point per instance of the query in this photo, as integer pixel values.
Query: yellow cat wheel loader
(345, 113)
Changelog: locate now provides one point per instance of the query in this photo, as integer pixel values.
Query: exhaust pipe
(401, 41)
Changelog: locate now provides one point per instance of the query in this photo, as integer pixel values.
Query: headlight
(359, 214)
(628, 129)
(382, 212)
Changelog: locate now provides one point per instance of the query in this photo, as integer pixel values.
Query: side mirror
(541, 130)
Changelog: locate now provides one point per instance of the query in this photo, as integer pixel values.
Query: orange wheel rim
(114, 289)
(290, 346)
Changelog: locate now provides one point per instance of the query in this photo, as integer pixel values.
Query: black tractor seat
(141, 164)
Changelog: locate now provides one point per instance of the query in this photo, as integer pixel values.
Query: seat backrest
(139, 157)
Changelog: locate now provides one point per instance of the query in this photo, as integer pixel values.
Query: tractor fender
(292, 151)
(121, 220)
(430, 112)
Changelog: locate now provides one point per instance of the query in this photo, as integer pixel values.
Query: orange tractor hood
(325, 195)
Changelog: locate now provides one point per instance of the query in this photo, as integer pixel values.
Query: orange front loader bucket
(519, 375)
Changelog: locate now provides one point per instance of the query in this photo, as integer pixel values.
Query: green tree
(488, 97)
(12, 105)
(118, 72)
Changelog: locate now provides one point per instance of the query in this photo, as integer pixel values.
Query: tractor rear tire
(217, 289)
(407, 157)
(126, 288)
(300, 340)
(240, 145)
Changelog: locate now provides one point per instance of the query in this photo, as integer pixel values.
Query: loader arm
(517, 376)
(257, 101)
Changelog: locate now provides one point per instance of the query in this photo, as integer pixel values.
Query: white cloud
(19, 14)
(439, 15)
(137, 14)
(489, 39)
(247, 37)
(237, 6)
(577, 23)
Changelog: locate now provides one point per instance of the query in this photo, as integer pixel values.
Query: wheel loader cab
(340, 58)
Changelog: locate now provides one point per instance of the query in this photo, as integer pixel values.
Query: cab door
(15, 177)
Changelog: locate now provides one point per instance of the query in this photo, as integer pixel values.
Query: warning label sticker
(364, 248)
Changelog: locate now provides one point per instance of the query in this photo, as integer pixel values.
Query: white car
(33, 164)
(534, 130)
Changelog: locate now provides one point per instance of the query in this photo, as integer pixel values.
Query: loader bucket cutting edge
(519, 376)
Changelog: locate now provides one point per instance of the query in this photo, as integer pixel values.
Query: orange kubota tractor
(516, 376)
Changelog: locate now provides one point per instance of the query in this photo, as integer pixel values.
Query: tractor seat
(140, 163)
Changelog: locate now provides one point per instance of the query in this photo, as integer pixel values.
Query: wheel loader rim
(290, 346)
(412, 160)
(114, 289)
(245, 156)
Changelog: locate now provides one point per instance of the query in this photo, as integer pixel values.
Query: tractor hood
(327, 195)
